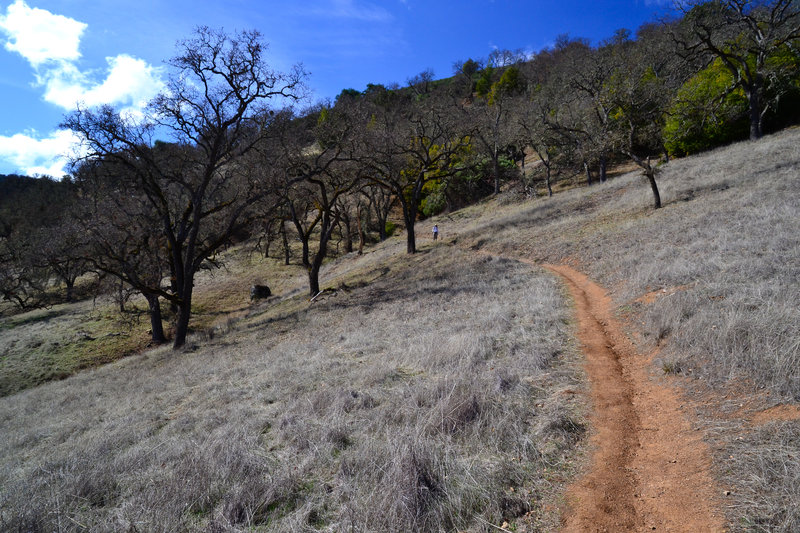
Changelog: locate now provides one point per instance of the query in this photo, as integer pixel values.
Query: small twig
(494, 526)
(76, 522)
(316, 295)
(324, 291)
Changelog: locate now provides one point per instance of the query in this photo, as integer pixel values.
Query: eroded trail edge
(649, 468)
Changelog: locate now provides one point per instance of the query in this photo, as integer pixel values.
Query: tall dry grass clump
(429, 400)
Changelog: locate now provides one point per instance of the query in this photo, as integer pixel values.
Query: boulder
(258, 292)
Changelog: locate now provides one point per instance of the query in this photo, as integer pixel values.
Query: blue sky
(57, 52)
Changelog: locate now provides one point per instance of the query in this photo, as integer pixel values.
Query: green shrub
(705, 113)
(434, 200)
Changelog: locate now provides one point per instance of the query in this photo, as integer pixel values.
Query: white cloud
(51, 44)
(40, 36)
(36, 156)
(130, 82)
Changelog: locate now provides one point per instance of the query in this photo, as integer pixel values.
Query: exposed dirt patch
(779, 413)
(650, 468)
(652, 296)
(740, 401)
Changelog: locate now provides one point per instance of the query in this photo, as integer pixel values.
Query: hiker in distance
(435, 231)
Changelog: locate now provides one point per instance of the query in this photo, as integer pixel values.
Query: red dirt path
(649, 469)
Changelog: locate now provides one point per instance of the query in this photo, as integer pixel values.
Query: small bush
(704, 114)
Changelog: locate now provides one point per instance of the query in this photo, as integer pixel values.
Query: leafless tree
(405, 144)
(118, 224)
(215, 111)
(380, 201)
(422, 83)
(317, 174)
(61, 249)
(22, 280)
(644, 80)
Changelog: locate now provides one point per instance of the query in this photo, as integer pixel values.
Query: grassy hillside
(439, 394)
(711, 282)
(440, 391)
(41, 345)
(726, 248)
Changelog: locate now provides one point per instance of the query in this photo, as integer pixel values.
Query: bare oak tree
(406, 143)
(644, 80)
(317, 171)
(214, 110)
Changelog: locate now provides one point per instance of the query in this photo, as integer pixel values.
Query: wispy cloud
(349, 9)
(51, 44)
(350, 29)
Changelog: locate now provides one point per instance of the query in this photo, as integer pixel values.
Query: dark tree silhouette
(214, 110)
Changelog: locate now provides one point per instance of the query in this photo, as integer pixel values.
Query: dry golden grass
(56, 342)
(729, 238)
(425, 396)
(427, 388)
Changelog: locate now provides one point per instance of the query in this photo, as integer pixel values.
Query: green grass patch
(51, 344)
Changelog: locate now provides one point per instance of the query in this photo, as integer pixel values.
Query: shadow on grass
(33, 317)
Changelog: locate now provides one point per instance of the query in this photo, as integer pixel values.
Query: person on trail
(435, 231)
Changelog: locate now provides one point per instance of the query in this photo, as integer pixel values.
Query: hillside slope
(709, 285)
(444, 391)
(438, 393)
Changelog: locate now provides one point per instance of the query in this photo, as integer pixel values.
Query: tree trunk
(360, 231)
(305, 258)
(313, 279)
(409, 217)
(182, 323)
(410, 214)
(496, 171)
(754, 100)
(185, 287)
(411, 238)
(156, 322)
(547, 180)
(70, 288)
(382, 219)
(316, 264)
(268, 233)
(121, 296)
(173, 284)
(650, 172)
(285, 243)
(651, 178)
(603, 165)
(348, 238)
(304, 238)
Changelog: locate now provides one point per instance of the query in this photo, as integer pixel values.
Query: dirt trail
(649, 469)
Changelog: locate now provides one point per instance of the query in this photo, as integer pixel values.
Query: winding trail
(649, 468)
